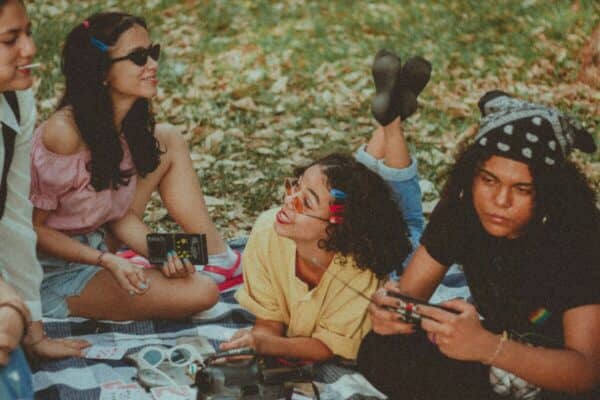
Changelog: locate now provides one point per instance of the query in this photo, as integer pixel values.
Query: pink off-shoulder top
(61, 184)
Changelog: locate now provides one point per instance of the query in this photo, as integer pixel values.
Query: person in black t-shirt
(523, 222)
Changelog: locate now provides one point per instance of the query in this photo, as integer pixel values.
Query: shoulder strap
(11, 98)
(9, 136)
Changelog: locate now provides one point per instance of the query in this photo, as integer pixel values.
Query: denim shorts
(64, 279)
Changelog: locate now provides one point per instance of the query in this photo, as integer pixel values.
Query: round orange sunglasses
(291, 190)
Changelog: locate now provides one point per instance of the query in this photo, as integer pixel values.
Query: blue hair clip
(338, 194)
(99, 44)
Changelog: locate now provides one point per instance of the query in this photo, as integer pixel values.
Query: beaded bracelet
(23, 314)
(503, 339)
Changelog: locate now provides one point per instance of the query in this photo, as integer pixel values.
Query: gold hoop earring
(461, 194)
(545, 219)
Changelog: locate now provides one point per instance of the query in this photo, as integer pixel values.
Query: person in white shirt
(19, 266)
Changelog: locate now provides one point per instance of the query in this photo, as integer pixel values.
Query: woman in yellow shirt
(339, 225)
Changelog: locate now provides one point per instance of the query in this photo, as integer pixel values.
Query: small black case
(186, 245)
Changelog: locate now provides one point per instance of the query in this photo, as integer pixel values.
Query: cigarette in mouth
(30, 66)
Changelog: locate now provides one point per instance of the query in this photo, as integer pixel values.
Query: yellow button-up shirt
(329, 312)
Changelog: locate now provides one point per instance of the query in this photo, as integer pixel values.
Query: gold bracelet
(24, 317)
(503, 339)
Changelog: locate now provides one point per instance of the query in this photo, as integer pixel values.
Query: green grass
(218, 52)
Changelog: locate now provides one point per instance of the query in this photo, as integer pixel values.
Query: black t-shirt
(522, 285)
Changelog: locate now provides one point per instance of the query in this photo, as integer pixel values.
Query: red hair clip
(336, 208)
(86, 24)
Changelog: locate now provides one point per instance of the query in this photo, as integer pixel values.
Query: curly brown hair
(373, 231)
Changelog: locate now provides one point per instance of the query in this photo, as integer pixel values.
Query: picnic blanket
(81, 378)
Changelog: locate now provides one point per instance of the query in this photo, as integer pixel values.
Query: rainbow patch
(539, 316)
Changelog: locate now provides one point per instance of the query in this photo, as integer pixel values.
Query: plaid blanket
(81, 378)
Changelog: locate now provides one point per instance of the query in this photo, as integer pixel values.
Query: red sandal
(225, 277)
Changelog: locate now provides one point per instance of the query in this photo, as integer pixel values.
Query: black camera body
(186, 245)
(257, 378)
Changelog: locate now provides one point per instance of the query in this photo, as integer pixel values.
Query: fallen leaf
(245, 103)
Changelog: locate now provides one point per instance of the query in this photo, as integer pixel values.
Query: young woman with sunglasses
(523, 222)
(339, 231)
(95, 164)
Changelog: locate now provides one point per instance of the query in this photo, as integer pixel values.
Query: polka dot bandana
(528, 132)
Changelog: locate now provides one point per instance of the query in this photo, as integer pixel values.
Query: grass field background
(260, 86)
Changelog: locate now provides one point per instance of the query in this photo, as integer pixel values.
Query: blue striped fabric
(80, 378)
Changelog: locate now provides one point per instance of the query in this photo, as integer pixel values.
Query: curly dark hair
(565, 203)
(374, 231)
(84, 67)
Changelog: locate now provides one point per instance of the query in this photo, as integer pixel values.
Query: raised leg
(388, 144)
(179, 188)
(396, 149)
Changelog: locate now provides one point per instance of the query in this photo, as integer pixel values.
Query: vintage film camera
(186, 245)
(254, 378)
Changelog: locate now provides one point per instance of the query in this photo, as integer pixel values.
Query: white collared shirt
(19, 265)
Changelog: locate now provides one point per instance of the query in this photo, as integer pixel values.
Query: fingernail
(186, 260)
(132, 293)
(143, 286)
(165, 264)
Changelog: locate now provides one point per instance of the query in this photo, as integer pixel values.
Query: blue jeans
(404, 182)
(15, 378)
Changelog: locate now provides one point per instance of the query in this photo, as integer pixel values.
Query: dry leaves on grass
(258, 87)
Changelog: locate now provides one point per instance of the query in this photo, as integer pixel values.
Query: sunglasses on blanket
(183, 355)
(292, 191)
(140, 56)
